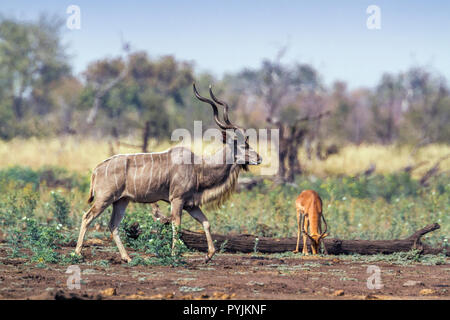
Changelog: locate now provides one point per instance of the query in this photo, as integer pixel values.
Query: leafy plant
(60, 208)
(155, 239)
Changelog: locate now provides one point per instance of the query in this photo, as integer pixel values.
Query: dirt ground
(227, 276)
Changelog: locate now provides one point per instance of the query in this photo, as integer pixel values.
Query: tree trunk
(293, 163)
(249, 243)
(145, 137)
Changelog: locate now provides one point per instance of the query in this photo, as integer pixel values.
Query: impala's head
(243, 153)
(316, 238)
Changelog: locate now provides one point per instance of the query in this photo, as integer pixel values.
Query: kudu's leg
(176, 211)
(116, 217)
(198, 215)
(305, 231)
(88, 217)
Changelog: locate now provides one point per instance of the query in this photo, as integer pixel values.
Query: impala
(186, 185)
(309, 214)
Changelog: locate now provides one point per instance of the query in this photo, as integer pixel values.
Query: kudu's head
(233, 135)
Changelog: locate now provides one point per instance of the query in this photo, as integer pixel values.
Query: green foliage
(16, 203)
(155, 239)
(32, 59)
(48, 176)
(41, 240)
(148, 98)
(60, 208)
(401, 258)
(378, 207)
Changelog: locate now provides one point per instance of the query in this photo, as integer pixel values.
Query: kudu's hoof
(126, 259)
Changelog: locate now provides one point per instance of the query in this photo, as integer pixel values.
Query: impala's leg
(305, 231)
(198, 215)
(176, 211)
(116, 217)
(299, 230)
(88, 217)
(315, 246)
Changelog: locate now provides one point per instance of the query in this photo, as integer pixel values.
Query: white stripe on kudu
(151, 174)
(135, 171)
(159, 176)
(143, 171)
(115, 175)
(106, 170)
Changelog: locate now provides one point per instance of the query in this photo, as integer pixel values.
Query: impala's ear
(325, 235)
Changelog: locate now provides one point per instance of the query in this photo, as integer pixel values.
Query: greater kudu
(150, 177)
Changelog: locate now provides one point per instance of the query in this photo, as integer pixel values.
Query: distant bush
(51, 177)
(17, 202)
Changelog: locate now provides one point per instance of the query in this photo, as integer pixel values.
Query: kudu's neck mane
(217, 178)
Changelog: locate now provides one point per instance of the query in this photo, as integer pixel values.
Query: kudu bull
(150, 177)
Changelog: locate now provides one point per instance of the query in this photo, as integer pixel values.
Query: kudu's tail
(91, 189)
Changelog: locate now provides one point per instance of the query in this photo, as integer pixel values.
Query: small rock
(255, 283)
(221, 296)
(412, 283)
(94, 242)
(109, 292)
(135, 297)
(338, 293)
(169, 295)
(426, 292)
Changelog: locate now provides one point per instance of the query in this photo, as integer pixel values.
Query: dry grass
(388, 159)
(81, 155)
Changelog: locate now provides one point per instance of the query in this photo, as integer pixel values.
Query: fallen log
(247, 243)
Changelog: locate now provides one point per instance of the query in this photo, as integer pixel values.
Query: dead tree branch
(247, 243)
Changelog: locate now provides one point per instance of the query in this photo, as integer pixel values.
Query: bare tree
(279, 87)
(102, 89)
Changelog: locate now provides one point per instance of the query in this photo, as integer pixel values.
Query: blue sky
(226, 35)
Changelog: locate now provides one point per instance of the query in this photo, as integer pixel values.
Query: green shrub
(49, 176)
(155, 239)
(60, 208)
(38, 238)
(16, 203)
